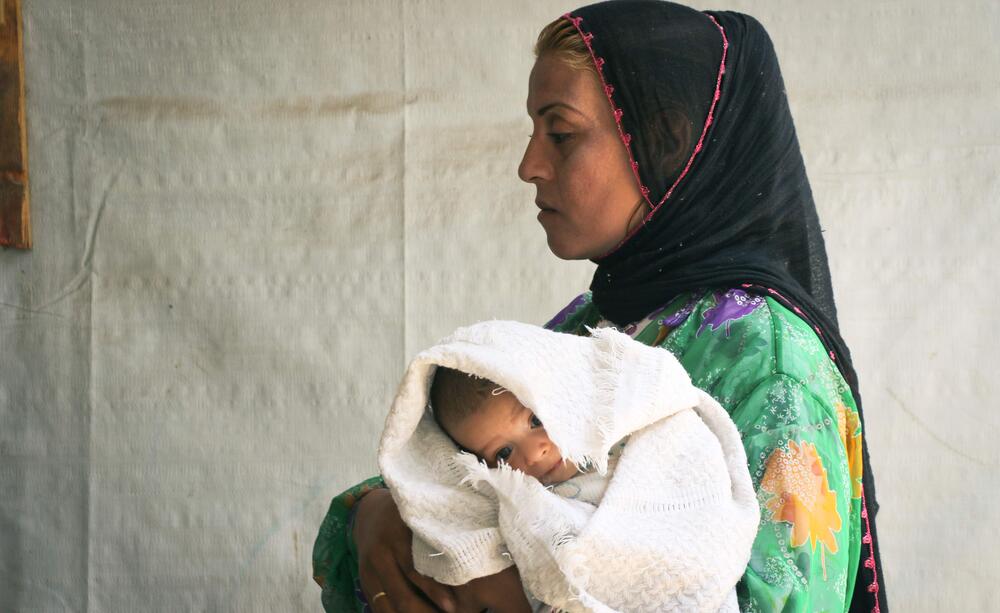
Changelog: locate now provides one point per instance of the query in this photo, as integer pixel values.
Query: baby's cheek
(516, 463)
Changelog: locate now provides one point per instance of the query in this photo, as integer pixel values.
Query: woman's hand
(385, 561)
(500, 593)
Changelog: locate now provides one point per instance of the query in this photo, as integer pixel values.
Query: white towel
(674, 529)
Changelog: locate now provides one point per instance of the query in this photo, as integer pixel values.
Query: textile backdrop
(248, 216)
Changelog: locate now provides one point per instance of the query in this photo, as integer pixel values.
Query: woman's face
(588, 196)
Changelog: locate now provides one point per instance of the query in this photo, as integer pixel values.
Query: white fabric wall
(248, 215)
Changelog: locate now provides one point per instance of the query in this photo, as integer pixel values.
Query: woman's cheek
(578, 187)
(593, 212)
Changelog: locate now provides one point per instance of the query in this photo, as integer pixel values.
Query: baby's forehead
(495, 412)
(494, 405)
(501, 399)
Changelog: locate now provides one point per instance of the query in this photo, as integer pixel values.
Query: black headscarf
(701, 107)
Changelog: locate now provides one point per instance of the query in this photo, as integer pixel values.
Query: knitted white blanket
(674, 529)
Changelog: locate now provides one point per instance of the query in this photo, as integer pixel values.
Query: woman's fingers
(378, 599)
(379, 533)
(401, 596)
(386, 560)
(440, 595)
(501, 592)
(379, 602)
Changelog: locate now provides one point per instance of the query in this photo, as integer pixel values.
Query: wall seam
(406, 95)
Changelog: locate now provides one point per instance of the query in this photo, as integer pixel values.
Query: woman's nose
(533, 168)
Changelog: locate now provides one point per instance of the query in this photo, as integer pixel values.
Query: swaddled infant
(485, 419)
(663, 522)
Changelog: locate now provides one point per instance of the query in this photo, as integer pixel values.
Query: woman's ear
(670, 134)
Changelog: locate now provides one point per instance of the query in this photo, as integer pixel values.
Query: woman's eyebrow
(548, 107)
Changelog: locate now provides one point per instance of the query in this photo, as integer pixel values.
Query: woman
(663, 149)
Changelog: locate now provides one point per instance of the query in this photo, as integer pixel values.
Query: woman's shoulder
(737, 339)
(724, 334)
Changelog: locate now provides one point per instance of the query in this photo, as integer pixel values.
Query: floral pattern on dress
(577, 303)
(335, 567)
(796, 480)
(729, 306)
(351, 497)
(849, 425)
(679, 316)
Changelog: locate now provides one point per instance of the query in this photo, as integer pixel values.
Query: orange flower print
(352, 498)
(801, 495)
(850, 434)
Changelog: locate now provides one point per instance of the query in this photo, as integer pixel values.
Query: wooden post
(15, 220)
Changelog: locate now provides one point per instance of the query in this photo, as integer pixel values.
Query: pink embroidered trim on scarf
(869, 561)
(626, 138)
(708, 120)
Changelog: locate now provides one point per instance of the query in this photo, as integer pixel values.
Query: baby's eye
(503, 453)
(535, 422)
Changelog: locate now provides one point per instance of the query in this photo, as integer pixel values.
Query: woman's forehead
(553, 84)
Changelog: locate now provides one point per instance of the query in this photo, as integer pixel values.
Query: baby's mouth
(546, 477)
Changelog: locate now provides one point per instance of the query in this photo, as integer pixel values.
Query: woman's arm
(364, 548)
(802, 436)
(334, 559)
(806, 552)
(385, 561)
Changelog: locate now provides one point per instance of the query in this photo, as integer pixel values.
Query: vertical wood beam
(15, 219)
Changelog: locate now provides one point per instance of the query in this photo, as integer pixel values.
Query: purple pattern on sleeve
(729, 307)
(680, 316)
(562, 315)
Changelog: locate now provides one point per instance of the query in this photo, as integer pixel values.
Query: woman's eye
(559, 137)
(535, 422)
(503, 453)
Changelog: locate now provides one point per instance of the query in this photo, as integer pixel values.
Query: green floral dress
(799, 425)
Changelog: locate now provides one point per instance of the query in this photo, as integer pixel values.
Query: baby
(488, 421)
(673, 509)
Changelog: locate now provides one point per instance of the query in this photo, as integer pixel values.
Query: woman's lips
(545, 211)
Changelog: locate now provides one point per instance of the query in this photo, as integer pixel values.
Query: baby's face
(504, 429)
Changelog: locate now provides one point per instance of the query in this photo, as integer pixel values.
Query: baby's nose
(540, 450)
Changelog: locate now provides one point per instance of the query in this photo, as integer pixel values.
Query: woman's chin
(562, 256)
(572, 252)
(563, 249)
